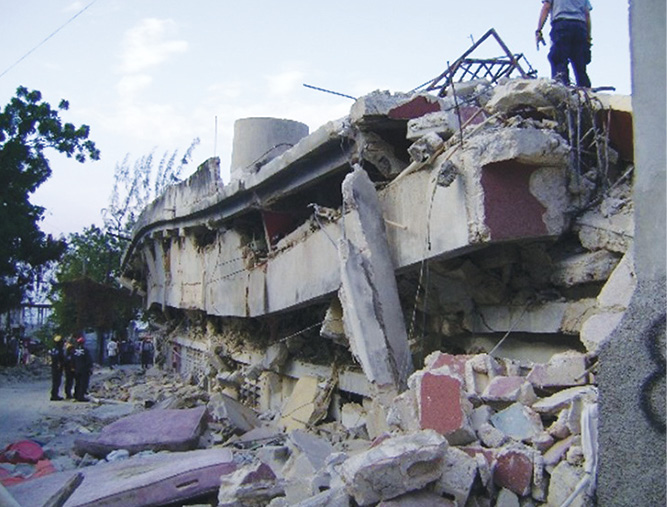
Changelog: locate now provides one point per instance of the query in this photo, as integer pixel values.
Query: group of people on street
(75, 361)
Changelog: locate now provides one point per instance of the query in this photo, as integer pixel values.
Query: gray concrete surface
(632, 373)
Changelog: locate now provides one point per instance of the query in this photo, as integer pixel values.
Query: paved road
(27, 412)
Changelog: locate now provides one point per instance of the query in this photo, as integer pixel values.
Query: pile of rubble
(470, 430)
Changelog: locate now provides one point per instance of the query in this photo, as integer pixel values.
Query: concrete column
(632, 364)
(372, 312)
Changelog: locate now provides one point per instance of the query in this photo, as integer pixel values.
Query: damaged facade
(437, 272)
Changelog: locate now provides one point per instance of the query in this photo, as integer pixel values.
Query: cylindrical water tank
(258, 140)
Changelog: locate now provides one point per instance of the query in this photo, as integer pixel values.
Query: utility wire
(47, 38)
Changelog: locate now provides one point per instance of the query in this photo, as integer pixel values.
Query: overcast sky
(154, 74)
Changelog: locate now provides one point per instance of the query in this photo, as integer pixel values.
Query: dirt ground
(26, 411)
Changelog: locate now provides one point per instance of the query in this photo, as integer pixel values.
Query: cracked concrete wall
(632, 376)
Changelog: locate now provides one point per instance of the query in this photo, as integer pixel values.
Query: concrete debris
(418, 499)
(163, 478)
(538, 94)
(518, 422)
(234, 415)
(306, 405)
(395, 466)
(562, 370)
(455, 229)
(172, 430)
(371, 307)
(459, 471)
(250, 485)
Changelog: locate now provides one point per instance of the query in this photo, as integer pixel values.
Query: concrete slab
(372, 311)
(394, 467)
(156, 430)
(150, 480)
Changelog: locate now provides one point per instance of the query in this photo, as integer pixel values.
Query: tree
(87, 293)
(136, 185)
(28, 127)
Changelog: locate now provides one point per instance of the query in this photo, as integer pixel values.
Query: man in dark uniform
(57, 363)
(69, 368)
(570, 38)
(83, 367)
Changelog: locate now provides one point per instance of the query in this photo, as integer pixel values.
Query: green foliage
(88, 294)
(92, 254)
(28, 127)
(137, 184)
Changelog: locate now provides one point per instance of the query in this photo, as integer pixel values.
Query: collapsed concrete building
(447, 263)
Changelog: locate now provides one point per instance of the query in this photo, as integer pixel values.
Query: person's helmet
(80, 339)
(57, 338)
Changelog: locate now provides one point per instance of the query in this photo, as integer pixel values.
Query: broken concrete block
(597, 330)
(372, 312)
(564, 479)
(613, 232)
(316, 449)
(479, 370)
(491, 436)
(543, 441)
(252, 484)
(353, 416)
(425, 147)
(376, 417)
(584, 268)
(157, 479)
(275, 456)
(379, 105)
(333, 327)
(441, 123)
(418, 499)
(395, 466)
(563, 370)
(575, 455)
(302, 407)
(443, 405)
(521, 93)
(509, 389)
(455, 362)
(506, 498)
(171, 430)
(562, 399)
(540, 483)
(404, 412)
(481, 415)
(458, 474)
(518, 421)
(559, 428)
(513, 469)
(557, 451)
(617, 291)
(234, 415)
(372, 148)
(333, 497)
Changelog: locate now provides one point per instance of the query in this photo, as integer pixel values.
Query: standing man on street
(112, 352)
(83, 367)
(570, 38)
(69, 368)
(57, 364)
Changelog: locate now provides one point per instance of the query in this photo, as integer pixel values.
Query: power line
(47, 38)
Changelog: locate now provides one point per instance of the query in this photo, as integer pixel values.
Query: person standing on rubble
(146, 353)
(57, 355)
(570, 38)
(83, 368)
(68, 367)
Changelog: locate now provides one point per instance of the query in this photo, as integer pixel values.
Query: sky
(153, 75)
